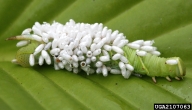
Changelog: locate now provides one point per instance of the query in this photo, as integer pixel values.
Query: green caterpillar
(93, 49)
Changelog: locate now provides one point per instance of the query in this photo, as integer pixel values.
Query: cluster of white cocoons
(143, 47)
(80, 46)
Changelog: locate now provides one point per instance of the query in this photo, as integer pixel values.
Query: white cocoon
(41, 60)
(97, 52)
(99, 70)
(116, 56)
(55, 51)
(141, 53)
(121, 65)
(31, 60)
(89, 54)
(148, 42)
(26, 31)
(60, 64)
(171, 62)
(140, 42)
(37, 38)
(22, 43)
(75, 58)
(107, 47)
(47, 46)
(147, 48)
(75, 70)
(104, 58)
(81, 58)
(93, 47)
(104, 71)
(117, 49)
(157, 53)
(93, 58)
(99, 64)
(83, 64)
(38, 49)
(134, 45)
(115, 71)
(88, 60)
(129, 67)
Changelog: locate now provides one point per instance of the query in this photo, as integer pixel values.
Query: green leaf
(168, 22)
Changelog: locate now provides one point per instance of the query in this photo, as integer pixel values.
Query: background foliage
(168, 22)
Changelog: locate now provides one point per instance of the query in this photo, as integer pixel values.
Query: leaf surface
(168, 22)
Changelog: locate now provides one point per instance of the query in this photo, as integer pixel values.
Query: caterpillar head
(22, 55)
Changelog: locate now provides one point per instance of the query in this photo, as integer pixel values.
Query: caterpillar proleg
(93, 49)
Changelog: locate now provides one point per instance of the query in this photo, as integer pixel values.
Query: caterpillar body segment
(93, 49)
(154, 66)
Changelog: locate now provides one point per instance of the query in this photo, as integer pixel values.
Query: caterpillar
(93, 48)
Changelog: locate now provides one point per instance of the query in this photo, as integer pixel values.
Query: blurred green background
(168, 22)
